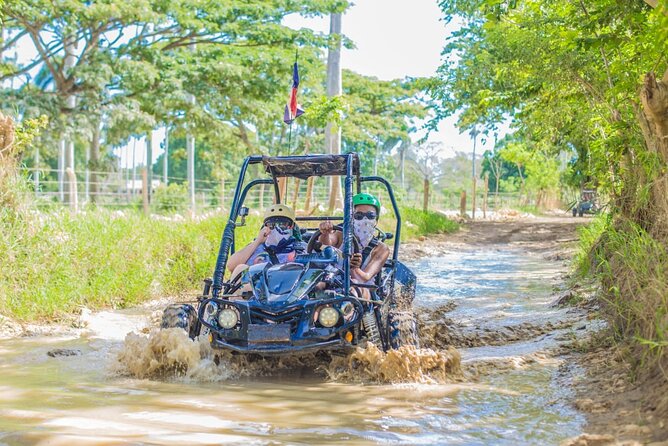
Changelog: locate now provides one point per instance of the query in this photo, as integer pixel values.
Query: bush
(417, 222)
(170, 199)
(632, 267)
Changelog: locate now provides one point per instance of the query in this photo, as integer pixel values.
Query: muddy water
(510, 393)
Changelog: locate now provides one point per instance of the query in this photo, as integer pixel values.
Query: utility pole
(190, 149)
(332, 130)
(475, 137)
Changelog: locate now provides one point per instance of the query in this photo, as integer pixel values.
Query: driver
(275, 242)
(363, 266)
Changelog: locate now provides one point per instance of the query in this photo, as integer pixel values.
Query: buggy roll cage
(303, 167)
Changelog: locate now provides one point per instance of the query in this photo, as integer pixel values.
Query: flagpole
(290, 130)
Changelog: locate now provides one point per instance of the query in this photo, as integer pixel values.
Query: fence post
(295, 194)
(462, 204)
(484, 201)
(473, 199)
(425, 196)
(144, 190)
(73, 195)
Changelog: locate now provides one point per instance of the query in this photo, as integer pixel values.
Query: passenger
(363, 266)
(275, 242)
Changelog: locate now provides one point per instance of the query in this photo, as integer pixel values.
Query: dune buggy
(587, 204)
(311, 303)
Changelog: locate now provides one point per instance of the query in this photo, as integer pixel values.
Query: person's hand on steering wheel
(356, 261)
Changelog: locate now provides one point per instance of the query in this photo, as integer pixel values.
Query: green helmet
(367, 199)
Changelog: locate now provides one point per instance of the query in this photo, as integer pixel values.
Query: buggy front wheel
(181, 316)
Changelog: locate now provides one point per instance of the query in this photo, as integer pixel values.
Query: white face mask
(364, 229)
(275, 237)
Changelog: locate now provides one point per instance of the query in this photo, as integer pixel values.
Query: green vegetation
(583, 84)
(99, 259)
(60, 262)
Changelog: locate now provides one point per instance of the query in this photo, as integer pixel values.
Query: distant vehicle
(311, 303)
(587, 204)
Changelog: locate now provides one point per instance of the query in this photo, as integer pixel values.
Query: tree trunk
(654, 97)
(333, 131)
(68, 64)
(654, 126)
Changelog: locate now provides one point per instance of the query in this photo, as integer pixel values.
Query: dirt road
(497, 366)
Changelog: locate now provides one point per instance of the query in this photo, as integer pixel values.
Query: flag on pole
(292, 109)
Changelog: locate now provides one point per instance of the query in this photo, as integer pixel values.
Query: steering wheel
(315, 245)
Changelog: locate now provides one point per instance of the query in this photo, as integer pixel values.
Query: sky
(395, 39)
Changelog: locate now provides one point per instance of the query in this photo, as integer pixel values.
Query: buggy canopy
(305, 166)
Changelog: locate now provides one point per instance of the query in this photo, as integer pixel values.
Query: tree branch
(13, 40)
(37, 41)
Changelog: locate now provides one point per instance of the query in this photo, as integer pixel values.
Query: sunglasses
(280, 225)
(360, 215)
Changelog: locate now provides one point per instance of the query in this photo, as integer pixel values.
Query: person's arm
(378, 256)
(328, 236)
(242, 256)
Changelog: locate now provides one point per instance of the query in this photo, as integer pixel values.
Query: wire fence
(125, 189)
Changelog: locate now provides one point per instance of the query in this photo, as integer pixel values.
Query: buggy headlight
(328, 317)
(228, 317)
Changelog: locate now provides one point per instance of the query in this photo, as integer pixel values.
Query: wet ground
(484, 301)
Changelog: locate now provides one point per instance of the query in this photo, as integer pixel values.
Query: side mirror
(243, 213)
(389, 236)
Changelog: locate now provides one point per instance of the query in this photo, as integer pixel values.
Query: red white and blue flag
(292, 109)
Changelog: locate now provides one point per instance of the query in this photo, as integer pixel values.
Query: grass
(632, 268)
(55, 263)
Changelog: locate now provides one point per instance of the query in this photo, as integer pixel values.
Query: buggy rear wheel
(402, 329)
(181, 316)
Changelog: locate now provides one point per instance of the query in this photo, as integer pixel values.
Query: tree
(426, 159)
(131, 62)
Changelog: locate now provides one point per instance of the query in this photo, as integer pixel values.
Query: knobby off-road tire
(181, 316)
(402, 329)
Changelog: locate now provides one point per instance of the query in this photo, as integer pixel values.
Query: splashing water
(170, 353)
(406, 364)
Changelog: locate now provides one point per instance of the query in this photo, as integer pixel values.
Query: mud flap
(404, 286)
